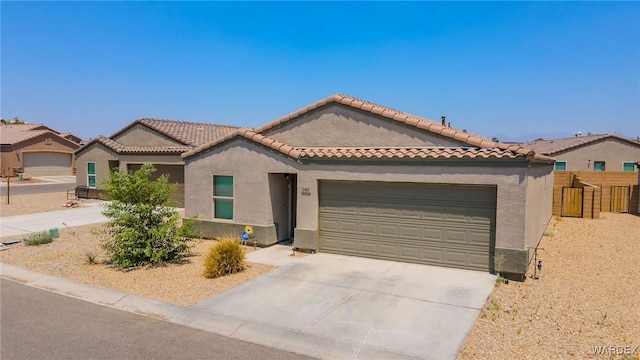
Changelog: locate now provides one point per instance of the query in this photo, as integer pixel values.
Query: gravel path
(588, 295)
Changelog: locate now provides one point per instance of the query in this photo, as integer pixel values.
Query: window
(561, 165)
(223, 197)
(628, 166)
(91, 174)
(598, 165)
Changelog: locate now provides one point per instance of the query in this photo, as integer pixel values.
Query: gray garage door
(47, 164)
(176, 176)
(435, 224)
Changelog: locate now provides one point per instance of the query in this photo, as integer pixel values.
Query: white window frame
(629, 162)
(95, 175)
(214, 197)
(560, 161)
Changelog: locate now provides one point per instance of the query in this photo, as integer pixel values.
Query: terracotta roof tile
(396, 115)
(479, 147)
(11, 134)
(121, 149)
(550, 147)
(188, 133)
(412, 153)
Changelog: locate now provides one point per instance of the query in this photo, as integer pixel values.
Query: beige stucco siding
(337, 125)
(140, 135)
(12, 156)
(614, 152)
(250, 163)
(99, 154)
(539, 203)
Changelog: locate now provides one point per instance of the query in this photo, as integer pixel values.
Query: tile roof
(12, 134)
(478, 146)
(188, 133)
(300, 153)
(405, 118)
(408, 153)
(554, 146)
(121, 149)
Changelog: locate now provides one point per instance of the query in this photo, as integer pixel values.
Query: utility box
(54, 233)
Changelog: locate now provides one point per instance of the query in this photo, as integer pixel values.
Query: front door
(283, 204)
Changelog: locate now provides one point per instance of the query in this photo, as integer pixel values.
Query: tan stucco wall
(99, 154)
(95, 153)
(337, 125)
(249, 164)
(140, 135)
(539, 204)
(614, 152)
(11, 159)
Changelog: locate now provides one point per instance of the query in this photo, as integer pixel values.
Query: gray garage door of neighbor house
(434, 224)
(47, 164)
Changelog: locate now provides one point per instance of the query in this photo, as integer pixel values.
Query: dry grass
(587, 295)
(35, 203)
(181, 284)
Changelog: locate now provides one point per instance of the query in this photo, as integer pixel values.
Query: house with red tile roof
(36, 150)
(156, 141)
(348, 176)
(602, 152)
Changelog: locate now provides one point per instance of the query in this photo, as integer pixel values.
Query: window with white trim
(598, 166)
(91, 174)
(628, 166)
(561, 166)
(223, 197)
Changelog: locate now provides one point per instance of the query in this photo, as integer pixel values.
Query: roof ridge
(184, 122)
(402, 117)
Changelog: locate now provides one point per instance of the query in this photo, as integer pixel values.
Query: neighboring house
(603, 152)
(351, 177)
(36, 150)
(159, 142)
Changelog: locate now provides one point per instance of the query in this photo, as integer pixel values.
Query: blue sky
(514, 70)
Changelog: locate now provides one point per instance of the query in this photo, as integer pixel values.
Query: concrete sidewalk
(91, 213)
(323, 305)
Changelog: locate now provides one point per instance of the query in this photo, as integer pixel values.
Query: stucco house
(603, 152)
(155, 141)
(36, 150)
(351, 177)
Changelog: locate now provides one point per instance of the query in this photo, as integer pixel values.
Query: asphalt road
(38, 324)
(34, 189)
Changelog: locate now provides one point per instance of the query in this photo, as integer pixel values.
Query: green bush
(225, 257)
(40, 238)
(143, 229)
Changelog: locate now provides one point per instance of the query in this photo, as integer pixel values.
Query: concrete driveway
(348, 307)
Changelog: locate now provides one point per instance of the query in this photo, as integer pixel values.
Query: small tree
(142, 228)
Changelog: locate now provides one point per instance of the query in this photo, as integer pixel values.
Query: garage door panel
(446, 225)
(47, 164)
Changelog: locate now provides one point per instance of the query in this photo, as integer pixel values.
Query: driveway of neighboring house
(349, 307)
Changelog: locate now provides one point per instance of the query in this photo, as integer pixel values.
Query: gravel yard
(178, 284)
(588, 295)
(32, 204)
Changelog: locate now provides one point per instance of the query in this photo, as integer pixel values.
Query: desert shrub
(40, 238)
(225, 257)
(143, 229)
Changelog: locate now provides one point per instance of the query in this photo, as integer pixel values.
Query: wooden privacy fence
(611, 191)
(571, 201)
